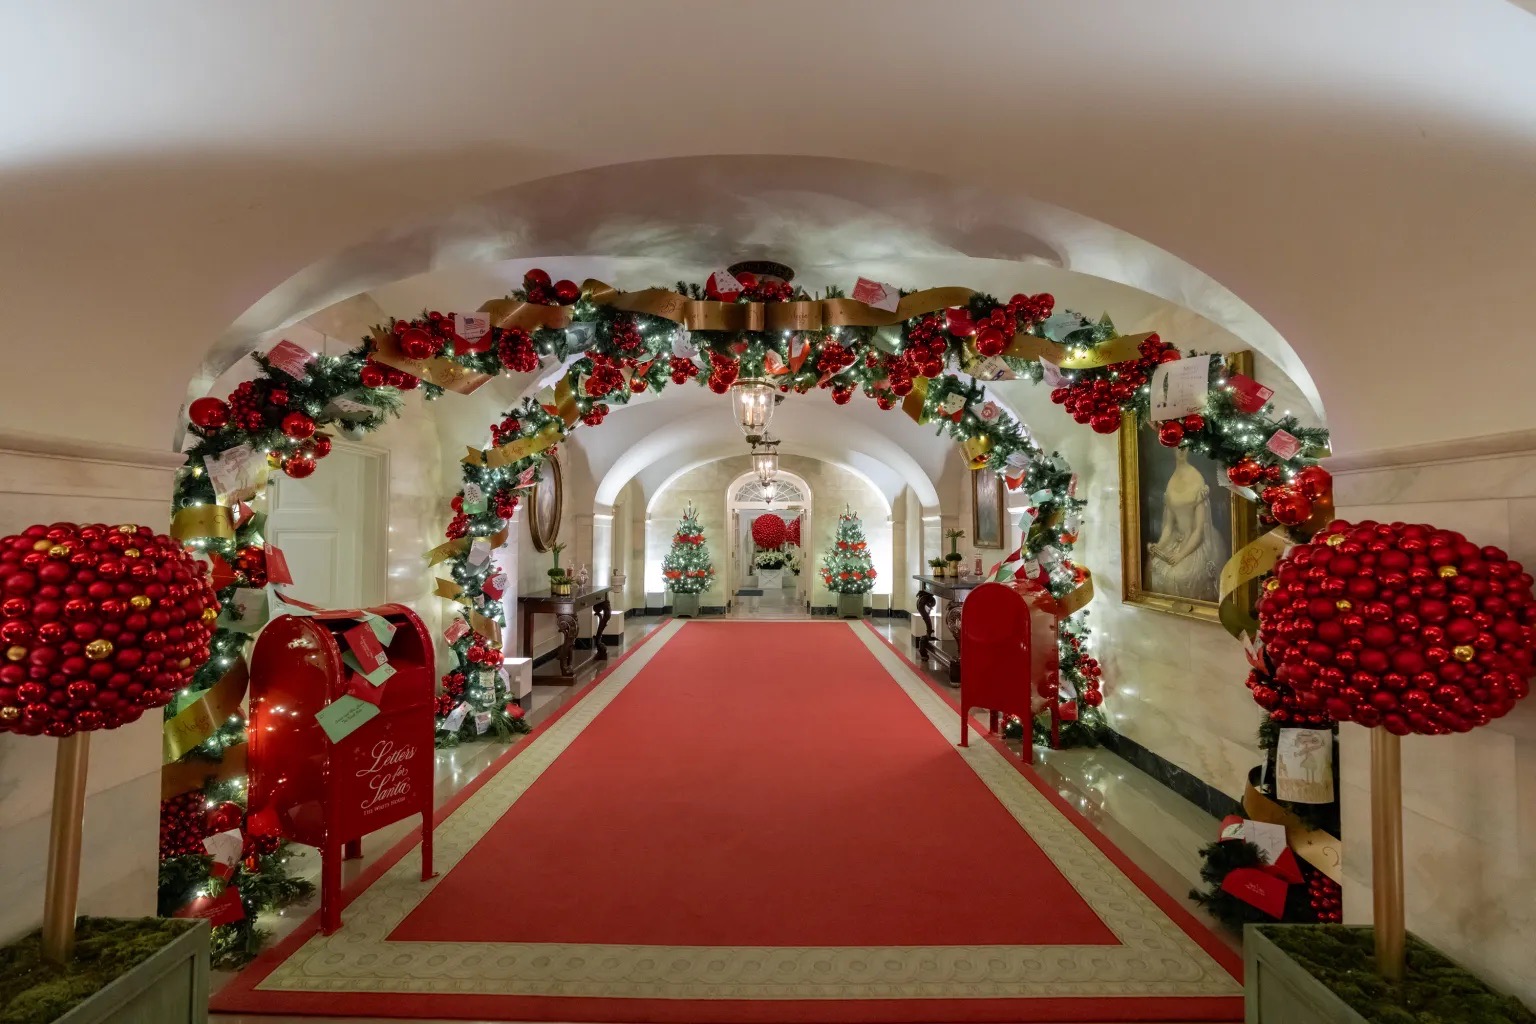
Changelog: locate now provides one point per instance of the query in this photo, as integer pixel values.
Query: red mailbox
(329, 793)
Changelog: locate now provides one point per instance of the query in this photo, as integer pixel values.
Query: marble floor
(1159, 831)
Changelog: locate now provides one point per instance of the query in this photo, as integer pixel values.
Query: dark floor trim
(1192, 788)
(872, 613)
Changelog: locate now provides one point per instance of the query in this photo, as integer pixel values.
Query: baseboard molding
(1192, 788)
(869, 613)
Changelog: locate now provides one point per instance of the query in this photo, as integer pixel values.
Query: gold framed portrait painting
(1179, 523)
(987, 519)
(546, 505)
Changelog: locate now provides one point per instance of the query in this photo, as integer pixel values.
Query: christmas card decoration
(344, 716)
(495, 586)
(455, 719)
(359, 687)
(278, 572)
(723, 286)
(1179, 388)
(873, 293)
(471, 333)
(457, 630)
(363, 644)
(1248, 394)
(1052, 376)
(1304, 766)
(292, 359)
(1284, 444)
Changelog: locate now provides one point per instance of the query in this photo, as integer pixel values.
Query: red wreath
(768, 531)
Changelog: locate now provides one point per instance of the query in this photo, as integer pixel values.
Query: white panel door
(330, 527)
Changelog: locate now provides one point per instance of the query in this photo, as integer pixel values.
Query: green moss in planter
(1435, 989)
(34, 991)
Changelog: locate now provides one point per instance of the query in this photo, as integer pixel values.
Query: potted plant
(953, 559)
(936, 567)
(770, 569)
(559, 583)
(93, 970)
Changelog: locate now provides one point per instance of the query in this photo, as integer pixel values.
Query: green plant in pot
(90, 969)
(953, 558)
(560, 583)
(936, 567)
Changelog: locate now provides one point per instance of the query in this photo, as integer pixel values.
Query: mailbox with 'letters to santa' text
(341, 734)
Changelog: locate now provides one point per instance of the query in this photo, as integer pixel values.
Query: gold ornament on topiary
(59, 551)
(1464, 652)
(140, 601)
(1343, 604)
(1447, 571)
(98, 649)
(16, 653)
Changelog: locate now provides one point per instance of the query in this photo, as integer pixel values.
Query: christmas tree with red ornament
(847, 568)
(687, 568)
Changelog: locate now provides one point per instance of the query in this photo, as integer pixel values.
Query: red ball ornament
(1290, 508)
(1313, 481)
(1106, 422)
(1170, 433)
(567, 292)
(371, 375)
(768, 531)
(225, 817)
(298, 426)
(1245, 472)
(418, 343)
(299, 465)
(959, 323)
(209, 413)
(990, 341)
(536, 278)
(67, 664)
(1194, 422)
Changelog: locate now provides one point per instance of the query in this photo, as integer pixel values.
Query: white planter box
(770, 579)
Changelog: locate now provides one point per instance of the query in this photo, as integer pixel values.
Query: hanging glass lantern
(752, 402)
(765, 463)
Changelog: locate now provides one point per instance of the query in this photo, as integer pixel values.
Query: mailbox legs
(330, 888)
(352, 850)
(426, 845)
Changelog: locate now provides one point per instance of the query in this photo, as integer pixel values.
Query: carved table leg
(925, 603)
(604, 611)
(566, 623)
(952, 623)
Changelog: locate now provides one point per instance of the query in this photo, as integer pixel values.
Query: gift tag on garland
(1248, 394)
(456, 631)
(1304, 766)
(292, 359)
(876, 294)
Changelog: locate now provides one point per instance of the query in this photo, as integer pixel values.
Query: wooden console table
(943, 648)
(564, 608)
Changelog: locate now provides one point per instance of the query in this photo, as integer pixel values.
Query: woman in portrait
(1185, 561)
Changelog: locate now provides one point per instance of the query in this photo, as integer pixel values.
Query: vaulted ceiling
(1352, 177)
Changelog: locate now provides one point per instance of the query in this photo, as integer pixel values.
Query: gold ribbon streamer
(1076, 357)
(915, 399)
(485, 627)
(806, 315)
(565, 400)
(451, 590)
(530, 316)
(443, 372)
(197, 721)
(1074, 601)
(185, 776)
(1312, 845)
(460, 545)
(515, 450)
(198, 521)
(1254, 560)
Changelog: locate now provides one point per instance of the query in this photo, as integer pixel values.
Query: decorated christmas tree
(687, 567)
(847, 569)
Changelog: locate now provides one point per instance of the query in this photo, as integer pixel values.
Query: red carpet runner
(758, 822)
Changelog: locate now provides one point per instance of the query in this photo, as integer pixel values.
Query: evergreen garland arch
(930, 352)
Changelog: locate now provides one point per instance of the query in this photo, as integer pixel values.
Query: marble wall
(1469, 801)
(43, 480)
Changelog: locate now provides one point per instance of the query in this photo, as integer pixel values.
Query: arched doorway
(746, 499)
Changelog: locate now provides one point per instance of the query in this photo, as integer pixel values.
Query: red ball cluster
(683, 370)
(1171, 433)
(97, 625)
(249, 403)
(508, 429)
(992, 332)
(842, 394)
(626, 334)
(482, 653)
(764, 289)
(514, 347)
(1285, 706)
(924, 354)
(723, 372)
(1326, 897)
(606, 376)
(378, 375)
(1091, 691)
(832, 358)
(425, 338)
(1294, 503)
(504, 504)
(538, 288)
(183, 825)
(457, 527)
(595, 415)
(251, 565)
(1096, 397)
(1401, 626)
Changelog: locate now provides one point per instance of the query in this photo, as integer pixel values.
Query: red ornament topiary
(1402, 626)
(97, 625)
(768, 531)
